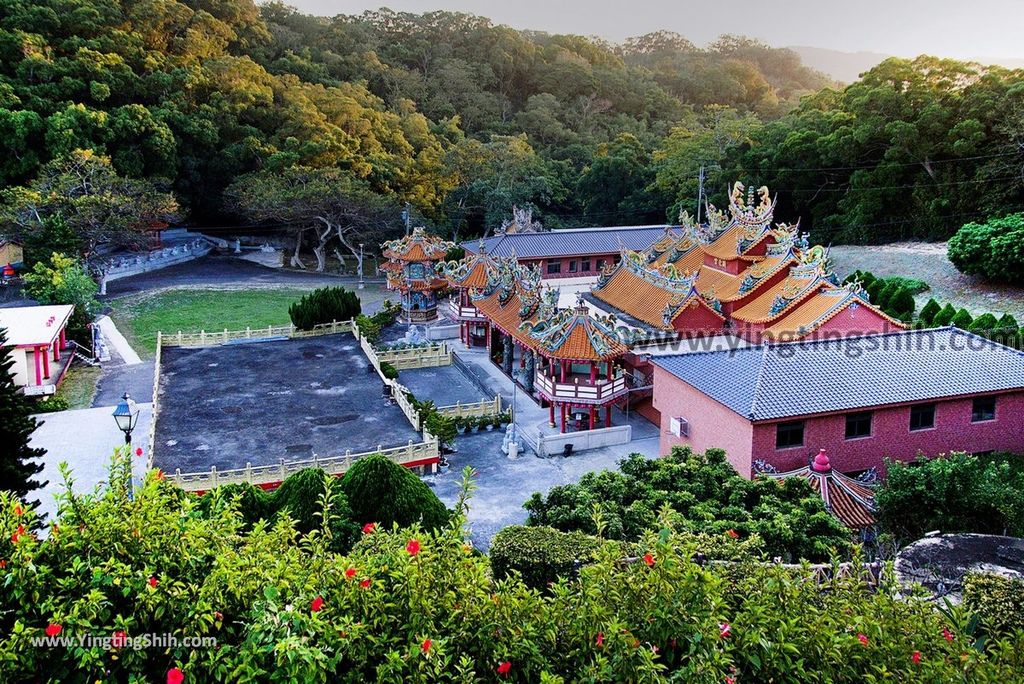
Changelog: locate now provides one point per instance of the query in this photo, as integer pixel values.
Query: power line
(903, 187)
(899, 164)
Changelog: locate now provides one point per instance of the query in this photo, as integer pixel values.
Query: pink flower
(138, 451)
(317, 604)
(724, 630)
(425, 646)
(503, 668)
(649, 559)
(365, 584)
(350, 573)
(946, 634)
(915, 657)
(600, 639)
(119, 639)
(369, 528)
(218, 616)
(863, 639)
(175, 676)
(153, 581)
(733, 533)
(53, 629)
(413, 547)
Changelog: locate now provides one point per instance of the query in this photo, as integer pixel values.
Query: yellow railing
(276, 473)
(205, 338)
(416, 357)
(484, 407)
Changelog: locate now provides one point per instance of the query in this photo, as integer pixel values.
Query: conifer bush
(963, 319)
(997, 600)
(901, 304)
(944, 317)
(412, 605)
(382, 492)
(324, 305)
(929, 311)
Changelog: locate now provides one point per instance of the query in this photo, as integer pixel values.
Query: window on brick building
(554, 267)
(858, 425)
(922, 417)
(789, 435)
(984, 409)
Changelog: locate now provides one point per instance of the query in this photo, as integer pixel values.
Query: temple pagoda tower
(410, 271)
(465, 276)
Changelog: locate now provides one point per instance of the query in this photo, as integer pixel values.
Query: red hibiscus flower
(730, 680)
(153, 581)
(160, 475)
(863, 639)
(369, 528)
(425, 646)
(946, 634)
(649, 559)
(600, 640)
(3, 564)
(350, 573)
(138, 451)
(17, 510)
(53, 629)
(365, 584)
(120, 639)
(413, 547)
(503, 668)
(724, 630)
(218, 616)
(733, 533)
(915, 657)
(317, 604)
(18, 534)
(175, 676)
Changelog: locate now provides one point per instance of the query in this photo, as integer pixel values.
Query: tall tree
(18, 460)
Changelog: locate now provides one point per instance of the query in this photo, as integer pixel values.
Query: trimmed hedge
(382, 492)
(997, 600)
(324, 305)
(540, 554)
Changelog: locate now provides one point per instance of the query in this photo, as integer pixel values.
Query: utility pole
(361, 283)
(700, 193)
(407, 217)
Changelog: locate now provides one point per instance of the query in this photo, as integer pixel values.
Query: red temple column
(563, 416)
(563, 369)
(608, 415)
(522, 357)
(593, 372)
(592, 411)
(55, 348)
(39, 369)
(63, 338)
(551, 406)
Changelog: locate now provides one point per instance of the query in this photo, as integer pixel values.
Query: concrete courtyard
(263, 401)
(443, 385)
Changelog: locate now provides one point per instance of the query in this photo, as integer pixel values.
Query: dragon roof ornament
(552, 331)
(748, 211)
(521, 222)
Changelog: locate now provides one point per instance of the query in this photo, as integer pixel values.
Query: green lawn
(139, 319)
(79, 386)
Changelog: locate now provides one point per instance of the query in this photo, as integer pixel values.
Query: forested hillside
(462, 118)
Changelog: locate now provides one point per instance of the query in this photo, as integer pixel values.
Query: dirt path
(928, 262)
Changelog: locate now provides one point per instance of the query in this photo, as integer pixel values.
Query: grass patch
(139, 319)
(79, 386)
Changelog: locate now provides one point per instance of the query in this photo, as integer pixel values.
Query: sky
(961, 29)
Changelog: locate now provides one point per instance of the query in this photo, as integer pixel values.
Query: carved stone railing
(476, 409)
(212, 338)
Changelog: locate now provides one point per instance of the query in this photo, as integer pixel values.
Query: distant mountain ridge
(848, 66)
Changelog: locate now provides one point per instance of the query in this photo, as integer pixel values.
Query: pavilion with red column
(411, 271)
(465, 276)
(36, 338)
(577, 372)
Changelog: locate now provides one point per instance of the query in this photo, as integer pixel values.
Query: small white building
(36, 339)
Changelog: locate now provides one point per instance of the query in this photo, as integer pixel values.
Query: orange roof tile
(417, 247)
(576, 335)
(818, 309)
(765, 308)
(636, 296)
(851, 501)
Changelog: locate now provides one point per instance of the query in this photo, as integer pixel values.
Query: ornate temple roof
(810, 275)
(472, 271)
(576, 334)
(821, 307)
(851, 500)
(652, 295)
(417, 246)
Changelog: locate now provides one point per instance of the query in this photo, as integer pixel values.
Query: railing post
(179, 338)
(348, 459)
(248, 332)
(213, 474)
(177, 475)
(281, 460)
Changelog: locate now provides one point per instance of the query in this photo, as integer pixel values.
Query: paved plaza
(443, 385)
(262, 401)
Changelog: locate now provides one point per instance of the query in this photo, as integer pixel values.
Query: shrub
(324, 305)
(705, 493)
(958, 493)
(994, 249)
(52, 405)
(984, 323)
(540, 554)
(914, 285)
(383, 492)
(455, 253)
(997, 600)
(388, 371)
(944, 317)
(379, 605)
(962, 320)
(875, 291)
(441, 427)
(1007, 322)
(254, 504)
(901, 304)
(301, 496)
(929, 310)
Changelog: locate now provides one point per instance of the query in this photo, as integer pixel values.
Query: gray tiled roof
(570, 242)
(776, 381)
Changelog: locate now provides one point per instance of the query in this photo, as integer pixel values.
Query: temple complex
(410, 271)
(471, 273)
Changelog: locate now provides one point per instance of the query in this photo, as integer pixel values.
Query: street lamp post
(126, 415)
(361, 283)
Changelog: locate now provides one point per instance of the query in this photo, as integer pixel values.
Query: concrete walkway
(85, 440)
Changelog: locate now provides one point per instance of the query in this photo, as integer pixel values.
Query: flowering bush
(415, 605)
